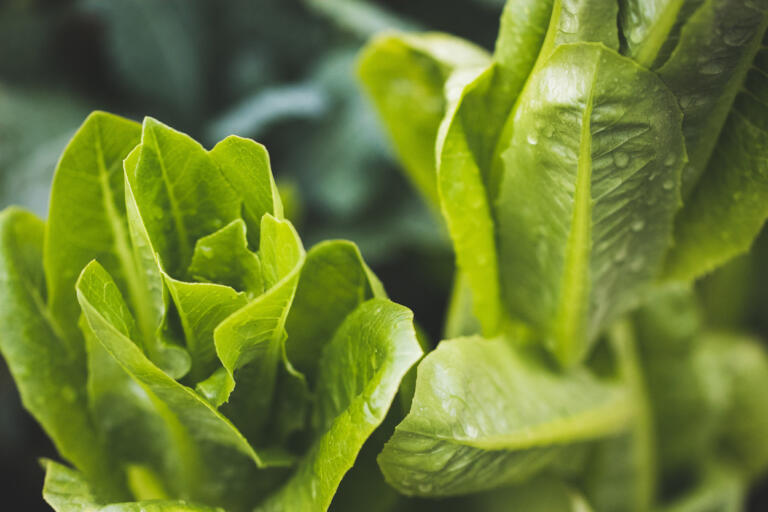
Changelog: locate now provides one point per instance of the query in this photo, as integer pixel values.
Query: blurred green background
(281, 72)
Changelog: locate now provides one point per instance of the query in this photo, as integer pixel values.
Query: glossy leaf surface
(486, 414)
(588, 197)
(359, 374)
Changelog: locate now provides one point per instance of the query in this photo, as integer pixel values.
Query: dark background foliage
(281, 72)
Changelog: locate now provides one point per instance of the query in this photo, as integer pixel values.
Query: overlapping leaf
(588, 196)
(406, 76)
(358, 377)
(486, 414)
(67, 491)
(206, 273)
(560, 169)
(49, 371)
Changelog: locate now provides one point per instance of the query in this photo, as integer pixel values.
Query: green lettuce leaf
(87, 216)
(651, 28)
(223, 257)
(250, 343)
(721, 488)
(710, 54)
(479, 103)
(405, 76)
(49, 372)
(67, 491)
(358, 377)
(231, 275)
(201, 308)
(160, 345)
(717, 46)
(216, 460)
(575, 21)
(477, 129)
(726, 209)
(588, 196)
(333, 282)
(464, 202)
(486, 414)
(176, 177)
(245, 165)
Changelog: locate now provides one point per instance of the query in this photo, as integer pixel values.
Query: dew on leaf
(621, 159)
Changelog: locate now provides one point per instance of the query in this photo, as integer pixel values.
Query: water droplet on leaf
(621, 159)
(620, 255)
(711, 68)
(738, 36)
(568, 22)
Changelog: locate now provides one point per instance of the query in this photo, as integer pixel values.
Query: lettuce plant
(170, 333)
(603, 157)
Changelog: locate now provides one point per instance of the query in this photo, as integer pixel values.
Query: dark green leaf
(717, 47)
(726, 209)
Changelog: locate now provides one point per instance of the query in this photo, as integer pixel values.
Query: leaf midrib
(569, 329)
(233, 364)
(610, 418)
(42, 309)
(657, 35)
(181, 229)
(120, 242)
(244, 446)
